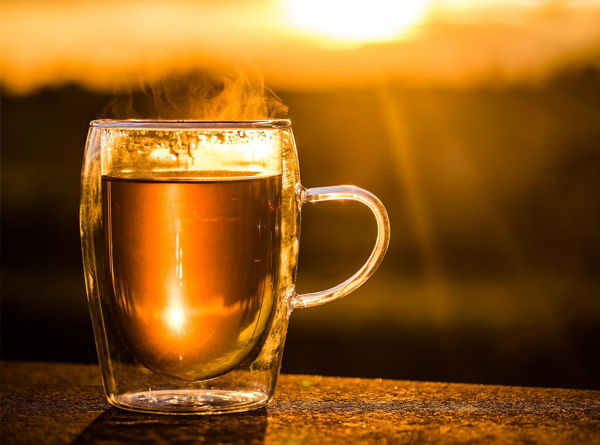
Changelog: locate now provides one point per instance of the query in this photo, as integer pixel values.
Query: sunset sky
(298, 45)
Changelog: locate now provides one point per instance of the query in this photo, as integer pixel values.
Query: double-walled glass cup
(190, 234)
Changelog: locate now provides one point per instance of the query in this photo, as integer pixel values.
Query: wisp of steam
(224, 92)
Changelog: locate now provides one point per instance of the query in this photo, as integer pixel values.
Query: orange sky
(106, 44)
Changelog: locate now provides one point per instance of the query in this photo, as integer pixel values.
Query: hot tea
(192, 266)
(190, 239)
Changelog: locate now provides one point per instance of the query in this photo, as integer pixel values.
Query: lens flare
(355, 21)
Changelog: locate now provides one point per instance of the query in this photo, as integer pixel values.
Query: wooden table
(62, 403)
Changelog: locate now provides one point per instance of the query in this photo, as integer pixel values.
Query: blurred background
(476, 123)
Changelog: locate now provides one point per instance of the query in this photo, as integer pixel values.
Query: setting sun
(356, 21)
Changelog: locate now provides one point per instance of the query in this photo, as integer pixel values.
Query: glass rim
(158, 124)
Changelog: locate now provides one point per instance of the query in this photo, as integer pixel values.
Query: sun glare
(356, 21)
(175, 318)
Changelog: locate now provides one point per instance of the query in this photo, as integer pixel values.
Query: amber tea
(192, 267)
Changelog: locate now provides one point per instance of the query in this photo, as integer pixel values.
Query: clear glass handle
(347, 192)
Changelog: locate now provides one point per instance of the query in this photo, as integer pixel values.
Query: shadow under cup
(190, 234)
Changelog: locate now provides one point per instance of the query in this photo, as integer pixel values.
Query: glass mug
(190, 233)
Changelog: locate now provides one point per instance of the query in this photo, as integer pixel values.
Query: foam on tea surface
(130, 150)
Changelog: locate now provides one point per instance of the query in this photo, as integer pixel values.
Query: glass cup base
(197, 402)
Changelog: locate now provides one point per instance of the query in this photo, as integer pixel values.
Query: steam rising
(224, 92)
